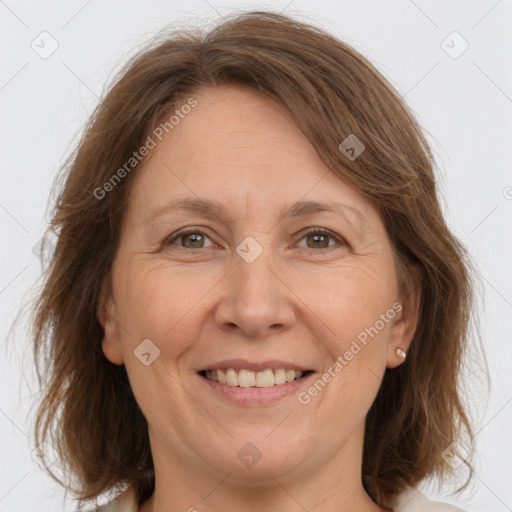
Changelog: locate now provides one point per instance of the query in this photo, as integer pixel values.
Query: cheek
(156, 297)
(354, 317)
(349, 302)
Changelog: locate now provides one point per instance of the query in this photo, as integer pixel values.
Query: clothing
(411, 500)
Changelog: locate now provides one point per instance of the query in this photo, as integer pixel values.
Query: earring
(401, 353)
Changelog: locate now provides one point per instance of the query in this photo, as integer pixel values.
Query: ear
(106, 314)
(407, 316)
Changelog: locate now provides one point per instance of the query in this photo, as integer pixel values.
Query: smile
(248, 378)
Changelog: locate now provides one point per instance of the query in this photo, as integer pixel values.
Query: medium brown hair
(88, 412)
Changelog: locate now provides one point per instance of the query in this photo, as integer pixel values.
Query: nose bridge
(252, 271)
(257, 300)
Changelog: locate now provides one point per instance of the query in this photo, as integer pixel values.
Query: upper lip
(273, 364)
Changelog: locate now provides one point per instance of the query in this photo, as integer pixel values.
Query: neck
(332, 485)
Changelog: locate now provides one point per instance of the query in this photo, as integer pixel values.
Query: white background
(464, 104)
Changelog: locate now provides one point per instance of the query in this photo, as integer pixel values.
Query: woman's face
(251, 289)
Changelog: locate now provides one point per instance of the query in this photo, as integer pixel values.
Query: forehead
(234, 127)
(243, 149)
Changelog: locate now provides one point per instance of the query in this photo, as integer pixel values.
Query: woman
(254, 300)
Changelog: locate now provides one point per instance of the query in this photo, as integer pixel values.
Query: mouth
(246, 378)
(249, 383)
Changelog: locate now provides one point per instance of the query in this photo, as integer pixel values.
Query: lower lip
(256, 396)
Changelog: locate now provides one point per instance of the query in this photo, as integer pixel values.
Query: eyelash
(308, 231)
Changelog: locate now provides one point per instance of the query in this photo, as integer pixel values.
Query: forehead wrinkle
(302, 208)
(211, 208)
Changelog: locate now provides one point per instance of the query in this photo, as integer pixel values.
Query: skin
(199, 302)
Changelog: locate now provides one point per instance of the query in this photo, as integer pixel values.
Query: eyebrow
(215, 209)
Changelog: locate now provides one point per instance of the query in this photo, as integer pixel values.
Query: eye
(319, 239)
(193, 238)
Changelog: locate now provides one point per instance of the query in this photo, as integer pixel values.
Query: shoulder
(413, 500)
(124, 502)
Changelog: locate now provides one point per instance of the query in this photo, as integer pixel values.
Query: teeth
(279, 376)
(264, 379)
(231, 377)
(248, 379)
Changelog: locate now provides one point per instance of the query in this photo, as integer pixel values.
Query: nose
(255, 300)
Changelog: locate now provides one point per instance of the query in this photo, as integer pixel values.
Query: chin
(254, 462)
